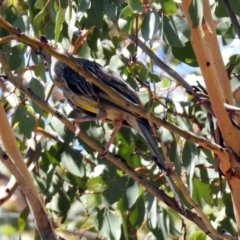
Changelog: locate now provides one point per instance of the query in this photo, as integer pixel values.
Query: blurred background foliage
(86, 196)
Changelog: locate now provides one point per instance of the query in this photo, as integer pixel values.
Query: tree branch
(207, 51)
(43, 225)
(232, 17)
(163, 65)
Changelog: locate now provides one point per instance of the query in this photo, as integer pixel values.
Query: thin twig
(47, 134)
(163, 65)
(82, 37)
(5, 39)
(232, 17)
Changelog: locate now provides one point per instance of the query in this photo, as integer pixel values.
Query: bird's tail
(144, 131)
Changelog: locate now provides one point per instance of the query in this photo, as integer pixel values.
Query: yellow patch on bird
(85, 103)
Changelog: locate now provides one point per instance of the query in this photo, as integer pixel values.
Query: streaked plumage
(85, 96)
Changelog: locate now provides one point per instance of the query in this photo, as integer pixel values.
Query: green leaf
(95, 13)
(189, 159)
(111, 227)
(220, 10)
(39, 4)
(137, 212)
(182, 28)
(25, 120)
(196, 12)
(39, 70)
(60, 203)
(185, 54)
(83, 5)
(96, 184)
(36, 235)
(130, 196)
(201, 192)
(99, 219)
(93, 39)
(235, 6)
(22, 220)
(125, 225)
(152, 212)
(72, 161)
(197, 235)
(149, 201)
(174, 156)
(22, 5)
(64, 133)
(7, 229)
(126, 19)
(150, 24)
(132, 192)
(115, 190)
(53, 183)
(157, 225)
(64, 4)
(117, 64)
(70, 18)
(175, 30)
(37, 88)
(110, 9)
(94, 200)
(226, 31)
(163, 225)
(14, 57)
(135, 5)
(169, 7)
(53, 155)
(11, 13)
(37, 25)
(59, 24)
(22, 22)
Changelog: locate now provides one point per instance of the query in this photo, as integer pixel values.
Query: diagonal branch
(163, 65)
(42, 222)
(232, 17)
(14, 161)
(207, 51)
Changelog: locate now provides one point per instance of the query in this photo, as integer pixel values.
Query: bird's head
(47, 57)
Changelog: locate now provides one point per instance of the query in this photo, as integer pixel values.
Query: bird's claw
(77, 131)
(76, 124)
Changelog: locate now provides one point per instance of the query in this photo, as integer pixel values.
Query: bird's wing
(90, 97)
(110, 78)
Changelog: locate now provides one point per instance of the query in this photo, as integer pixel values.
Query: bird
(85, 97)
